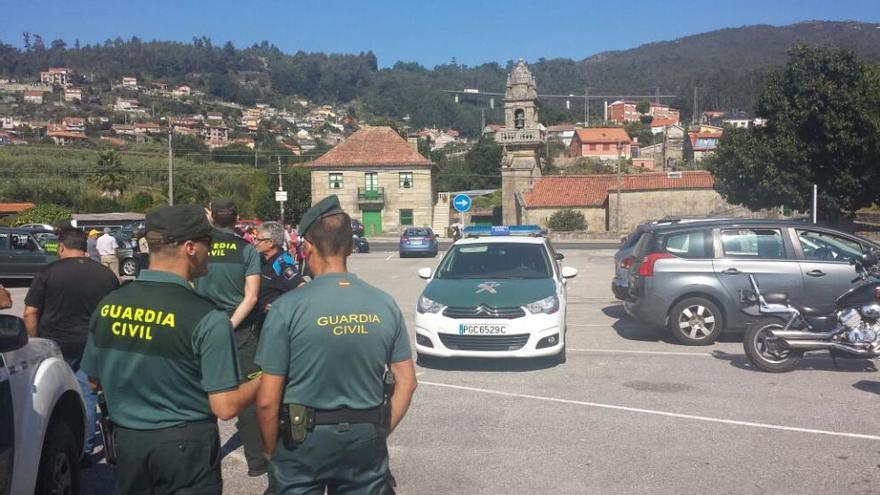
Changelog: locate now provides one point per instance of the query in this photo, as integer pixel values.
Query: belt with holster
(297, 420)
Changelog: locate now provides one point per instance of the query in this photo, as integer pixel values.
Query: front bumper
(520, 341)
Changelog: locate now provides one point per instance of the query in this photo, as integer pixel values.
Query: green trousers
(246, 340)
(181, 460)
(343, 459)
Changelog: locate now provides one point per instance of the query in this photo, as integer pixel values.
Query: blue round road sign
(462, 203)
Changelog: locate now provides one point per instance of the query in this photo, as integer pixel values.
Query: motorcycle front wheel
(769, 353)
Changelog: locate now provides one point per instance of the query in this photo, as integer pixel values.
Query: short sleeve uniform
(158, 349)
(230, 261)
(332, 339)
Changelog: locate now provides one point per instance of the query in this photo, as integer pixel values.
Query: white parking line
(658, 413)
(659, 353)
(389, 257)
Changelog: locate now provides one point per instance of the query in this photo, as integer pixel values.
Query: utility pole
(586, 106)
(257, 154)
(694, 116)
(281, 198)
(170, 170)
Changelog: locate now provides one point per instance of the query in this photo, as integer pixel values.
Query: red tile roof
(11, 208)
(663, 122)
(563, 127)
(372, 147)
(602, 135)
(593, 190)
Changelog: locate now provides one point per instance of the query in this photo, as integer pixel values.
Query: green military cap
(223, 205)
(324, 208)
(178, 223)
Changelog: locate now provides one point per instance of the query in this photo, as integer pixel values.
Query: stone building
(643, 197)
(521, 138)
(380, 179)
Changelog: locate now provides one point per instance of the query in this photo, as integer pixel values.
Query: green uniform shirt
(159, 349)
(332, 339)
(231, 260)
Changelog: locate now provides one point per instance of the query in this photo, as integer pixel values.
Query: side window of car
(821, 246)
(754, 243)
(5, 242)
(22, 242)
(688, 245)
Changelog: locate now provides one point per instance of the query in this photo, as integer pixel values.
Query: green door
(372, 222)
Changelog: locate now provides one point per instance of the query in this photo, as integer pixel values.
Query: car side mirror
(558, 256)
(569, 272)
(425, 272)
(13, 334)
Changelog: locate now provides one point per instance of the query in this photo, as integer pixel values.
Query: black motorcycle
(852, 330)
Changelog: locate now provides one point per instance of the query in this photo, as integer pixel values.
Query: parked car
(357, 228)
(623, 258)
(42, 415)
(361, 245)
(494, 296)
(22, 255)
(688, 277)
(37, 226)
(418, 240)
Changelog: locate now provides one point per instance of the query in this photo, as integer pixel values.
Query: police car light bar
(504, 230)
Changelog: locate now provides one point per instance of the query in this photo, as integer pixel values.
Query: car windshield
(416, 233)
(495, 260)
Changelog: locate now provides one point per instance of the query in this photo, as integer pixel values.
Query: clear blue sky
(428, 32)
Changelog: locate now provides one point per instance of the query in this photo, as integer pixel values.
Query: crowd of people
(265, 325)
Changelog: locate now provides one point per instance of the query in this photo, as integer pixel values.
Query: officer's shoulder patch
(290, 272)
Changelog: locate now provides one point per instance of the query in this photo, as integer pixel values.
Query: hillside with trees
(727, 66)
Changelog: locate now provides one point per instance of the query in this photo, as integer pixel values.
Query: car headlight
(426, 305)
(548, 305)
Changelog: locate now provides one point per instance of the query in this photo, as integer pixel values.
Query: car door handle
(731, 271)
(816, 273)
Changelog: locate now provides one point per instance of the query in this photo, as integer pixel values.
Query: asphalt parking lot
(630, 412)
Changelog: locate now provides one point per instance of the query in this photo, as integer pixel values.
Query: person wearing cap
(233, 283)
(327, 350)
(165, 359)
(92, 245)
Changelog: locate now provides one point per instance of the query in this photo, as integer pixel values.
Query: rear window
(690, 245)
(417, 233)
(632, 239)
(753, 243)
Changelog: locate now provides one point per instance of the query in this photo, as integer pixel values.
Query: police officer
(280, 272)
(233, 283)
(324, 351)
(165, 359)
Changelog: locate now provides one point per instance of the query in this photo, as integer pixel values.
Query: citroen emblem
(488, 287)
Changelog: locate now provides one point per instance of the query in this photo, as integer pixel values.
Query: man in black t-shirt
(60, 303)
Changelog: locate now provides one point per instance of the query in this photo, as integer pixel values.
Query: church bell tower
(522, 139)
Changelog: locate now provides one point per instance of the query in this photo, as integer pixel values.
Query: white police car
(499, 292)
(42, 416)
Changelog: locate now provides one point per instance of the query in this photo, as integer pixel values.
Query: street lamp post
(617, 208)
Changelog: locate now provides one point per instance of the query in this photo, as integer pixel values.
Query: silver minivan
(688, 278)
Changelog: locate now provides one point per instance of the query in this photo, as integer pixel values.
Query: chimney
(414, 143)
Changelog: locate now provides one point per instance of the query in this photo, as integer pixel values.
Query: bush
(567, 220)
(43, 213)
(97, 204)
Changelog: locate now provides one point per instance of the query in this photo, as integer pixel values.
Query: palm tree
(110, 177)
